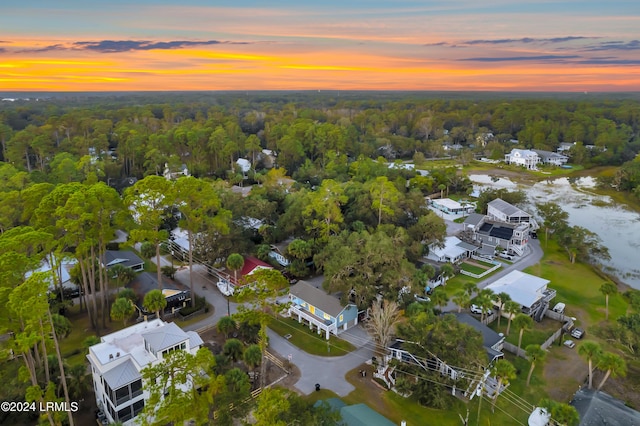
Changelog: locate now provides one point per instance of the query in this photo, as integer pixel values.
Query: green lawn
(538, 335)
(577, 285)
(308, 341)
(472, 268)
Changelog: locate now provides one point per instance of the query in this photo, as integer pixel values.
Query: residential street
(328, 372)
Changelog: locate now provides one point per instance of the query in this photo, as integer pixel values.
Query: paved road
(328, 372)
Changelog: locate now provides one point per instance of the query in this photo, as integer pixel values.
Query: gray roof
(467, 246)
(165, 337)
(122, 257)
(548, 154)
(487, 249)
(121, 375)
(504, 207)
(473, 219)
(194, 339)
(489, 337)
(598, 408)
(316, 297)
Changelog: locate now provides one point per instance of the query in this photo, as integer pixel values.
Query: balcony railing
(331, 327)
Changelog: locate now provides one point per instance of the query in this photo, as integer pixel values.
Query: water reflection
(617, 226)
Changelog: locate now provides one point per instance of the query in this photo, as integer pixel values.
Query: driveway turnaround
(328, 372)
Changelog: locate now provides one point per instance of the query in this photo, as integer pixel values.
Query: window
(137, 407)
(327, 316)
(136, 388)
(341, 318)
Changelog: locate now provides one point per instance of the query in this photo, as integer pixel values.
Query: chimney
(110, 356)
(117, 354)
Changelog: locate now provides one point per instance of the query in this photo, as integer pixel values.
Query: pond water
(617, 226)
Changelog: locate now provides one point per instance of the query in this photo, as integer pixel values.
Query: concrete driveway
(328, 372)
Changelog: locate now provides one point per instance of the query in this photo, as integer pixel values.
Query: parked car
(559, 308)
(475, 309)
(570, 344)
(534, 235)
(506, 256)
(421, 298)
(578, 333)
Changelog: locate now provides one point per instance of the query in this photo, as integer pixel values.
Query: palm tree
(485, 301)
(522, 322)
(504, 372)
(233, 349)
(446, 271)
(79, 381)
(226, 325)
(470, 288)
(614, 366)
(121, 274)
(608, 288)
(591, 351)
(536, 355)
(121, 310)
(439, 297)
(235, 262)
(252, 356)
(501, 298)
(462, 299)
(511, 308)
(154, 301)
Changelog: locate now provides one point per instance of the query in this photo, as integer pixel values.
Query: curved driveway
(328, 372)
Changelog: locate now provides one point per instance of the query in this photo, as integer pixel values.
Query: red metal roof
(251, 263)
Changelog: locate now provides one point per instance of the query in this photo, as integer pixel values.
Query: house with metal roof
(491, 341)
(321, 310)
(450, 206)
(502, 211)
(599, 408)
(453, 251)
(504, 225)
(553, 158)
(116, 363)
(527, 290)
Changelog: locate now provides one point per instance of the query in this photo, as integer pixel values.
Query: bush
(113, 246)
(201, 302)
(169, 271)
(148, 249)
(164, 248)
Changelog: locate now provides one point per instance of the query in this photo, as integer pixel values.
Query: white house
(522, 157)
(450, 206)
(502, 211)
(453, 251)
(116, 363)
(553, 158)
(527, 290)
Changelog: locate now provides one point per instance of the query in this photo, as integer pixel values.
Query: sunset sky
(516, 45)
